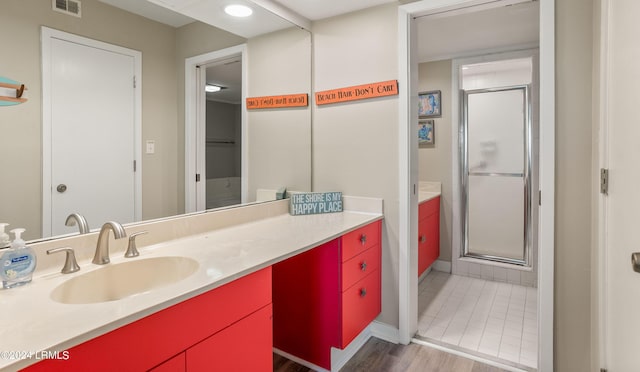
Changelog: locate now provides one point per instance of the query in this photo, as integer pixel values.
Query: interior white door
(622, 283)
(92, 135)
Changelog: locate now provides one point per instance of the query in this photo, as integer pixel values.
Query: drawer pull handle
(423, 238)
(363, 239)
(363, 292)
(363, 266)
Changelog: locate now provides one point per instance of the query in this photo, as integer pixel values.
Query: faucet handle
(132, 250)
(70, 263)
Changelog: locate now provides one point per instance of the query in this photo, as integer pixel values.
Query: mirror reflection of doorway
(483, 301)
(223, 132)
(81, 127)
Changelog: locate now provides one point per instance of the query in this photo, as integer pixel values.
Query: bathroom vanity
(428, 225)
(220, 317)
(325, 297)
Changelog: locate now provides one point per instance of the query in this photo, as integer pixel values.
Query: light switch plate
(151, 147)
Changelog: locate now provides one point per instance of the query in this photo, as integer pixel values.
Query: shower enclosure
(496, 174)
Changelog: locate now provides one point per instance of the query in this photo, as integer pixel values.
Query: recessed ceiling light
(210, 88)
(238, 10)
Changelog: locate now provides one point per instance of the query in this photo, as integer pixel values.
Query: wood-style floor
(381, 356)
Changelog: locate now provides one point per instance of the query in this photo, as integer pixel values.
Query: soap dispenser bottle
(5, 242)
(17, 263)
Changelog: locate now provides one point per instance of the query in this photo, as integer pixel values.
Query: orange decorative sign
(289, 100)
(373, 90)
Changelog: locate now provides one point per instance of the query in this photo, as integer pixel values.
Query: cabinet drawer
(360, 306)
(360, 240)
(428, 208)
(359, 266)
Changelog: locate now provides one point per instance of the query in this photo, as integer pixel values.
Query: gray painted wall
(435, 162)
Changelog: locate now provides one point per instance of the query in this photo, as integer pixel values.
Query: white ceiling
(478, 32)
(320, 9)
(228, 74)
(151, 11)
(178, 13)
(439, 37)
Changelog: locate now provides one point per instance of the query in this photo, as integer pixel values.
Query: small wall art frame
(426, 133)
(429, 104)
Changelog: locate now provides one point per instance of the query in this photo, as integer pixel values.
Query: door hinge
(604, 181)
(135, 166)
(539, 197)
(134, 81)
(197, 177)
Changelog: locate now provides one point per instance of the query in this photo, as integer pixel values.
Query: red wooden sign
(365, 91)
(289, 100)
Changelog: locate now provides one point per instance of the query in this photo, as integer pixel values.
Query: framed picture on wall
(426, 134)
(429, 104)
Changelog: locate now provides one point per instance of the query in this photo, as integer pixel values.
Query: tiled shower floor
(496, 319)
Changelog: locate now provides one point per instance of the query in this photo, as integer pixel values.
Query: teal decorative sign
(315, 202)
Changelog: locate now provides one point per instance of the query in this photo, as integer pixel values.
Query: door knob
(635, 261)
(61, 188)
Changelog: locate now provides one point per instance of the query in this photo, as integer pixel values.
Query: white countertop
(31, 321)
(428, 191)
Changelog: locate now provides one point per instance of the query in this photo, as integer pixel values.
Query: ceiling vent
(70, 7)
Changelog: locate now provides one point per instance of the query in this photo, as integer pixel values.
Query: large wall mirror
(251, 150)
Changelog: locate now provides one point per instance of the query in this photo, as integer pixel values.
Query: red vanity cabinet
(209, 332)
(176, 364)
(428, 233)
(244, 346)
(326, 296)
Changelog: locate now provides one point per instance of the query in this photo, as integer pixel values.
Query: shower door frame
(527, 172)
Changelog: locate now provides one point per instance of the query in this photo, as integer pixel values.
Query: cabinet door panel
(244, 346)
(176, 364)
(360, 306)
(429, 207)
(423, 256)
(433, 239)
(306, 303)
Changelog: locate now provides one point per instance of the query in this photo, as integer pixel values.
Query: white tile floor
(491, 318)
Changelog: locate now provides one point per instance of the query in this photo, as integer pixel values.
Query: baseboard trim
(341, 357)
(299, 361)
(385, 332)
(424, 274)
(338, 357)
(444, 266)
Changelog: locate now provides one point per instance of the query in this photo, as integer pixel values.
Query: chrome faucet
(76, 218)
(102, 248)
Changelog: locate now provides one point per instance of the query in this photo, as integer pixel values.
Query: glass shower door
(496, 174)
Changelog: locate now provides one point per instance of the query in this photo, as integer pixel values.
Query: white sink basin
(116, 281)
